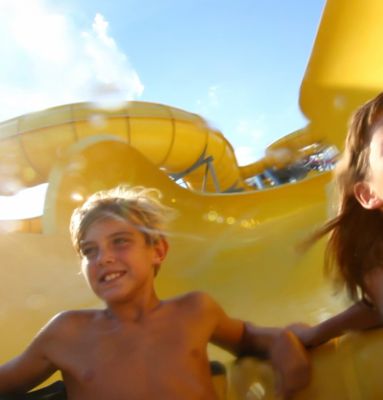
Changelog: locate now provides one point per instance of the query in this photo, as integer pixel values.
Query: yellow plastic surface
(240, 247)
(171, 138)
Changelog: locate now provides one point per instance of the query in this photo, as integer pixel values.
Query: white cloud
(249, 139)
(213, 96)
(251, 136)
(50, 61)
(38, 32)
(245, 155)
(253, 130)
(210, 102)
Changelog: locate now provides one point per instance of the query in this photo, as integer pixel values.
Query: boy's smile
(112, 276)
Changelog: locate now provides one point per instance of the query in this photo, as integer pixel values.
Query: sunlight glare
(28, 203)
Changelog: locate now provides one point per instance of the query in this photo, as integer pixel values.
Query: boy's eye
(89, 251)
(120, 241)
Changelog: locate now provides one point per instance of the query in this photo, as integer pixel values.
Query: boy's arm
(359, 316)
(238, 337)
(288, 357)
(29, 369)
(286, 353)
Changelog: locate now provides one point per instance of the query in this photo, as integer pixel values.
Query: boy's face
(117, 262)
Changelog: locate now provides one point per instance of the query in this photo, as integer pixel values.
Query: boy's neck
(132, 311)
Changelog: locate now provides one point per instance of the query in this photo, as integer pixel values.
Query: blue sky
(238, 64)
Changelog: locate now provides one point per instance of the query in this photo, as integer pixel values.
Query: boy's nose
(105, 256)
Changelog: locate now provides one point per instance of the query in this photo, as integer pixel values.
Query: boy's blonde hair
(138, 205)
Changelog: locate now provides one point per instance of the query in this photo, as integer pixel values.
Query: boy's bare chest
(133, 352)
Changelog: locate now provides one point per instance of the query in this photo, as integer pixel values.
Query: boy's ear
(160, 250)
(366, 196)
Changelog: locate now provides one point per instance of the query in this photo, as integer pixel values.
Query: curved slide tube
(180, 143)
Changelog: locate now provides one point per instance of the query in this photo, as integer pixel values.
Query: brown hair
(355, 245)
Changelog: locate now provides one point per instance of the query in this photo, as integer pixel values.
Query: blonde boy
(140, 347)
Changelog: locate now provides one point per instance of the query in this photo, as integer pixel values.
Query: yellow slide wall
(240, 247)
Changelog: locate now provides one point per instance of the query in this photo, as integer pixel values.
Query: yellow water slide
(180, 143)
(237, 245)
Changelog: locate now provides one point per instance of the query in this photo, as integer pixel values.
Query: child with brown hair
(354, 251)
(140, 347)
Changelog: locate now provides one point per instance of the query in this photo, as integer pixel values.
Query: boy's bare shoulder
(196, 300)
(65, 321)
(192, 297)
(70, 316)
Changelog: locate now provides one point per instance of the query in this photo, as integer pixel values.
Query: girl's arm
(373, 281)
(359, 316)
